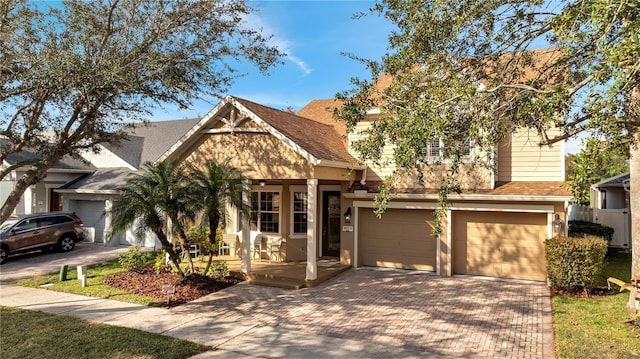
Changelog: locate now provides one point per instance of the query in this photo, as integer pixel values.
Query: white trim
(549, 225)
(355, 236)
(491, 207)
(312, 240)
(470, 197)
(449, 242)
(374, 111)
(294, 189)
(86, 191)
(233, 130)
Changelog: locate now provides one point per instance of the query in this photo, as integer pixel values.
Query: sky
(313, 34)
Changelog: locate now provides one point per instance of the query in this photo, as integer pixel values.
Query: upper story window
(435, 151)
(265, 211)
(299, 212)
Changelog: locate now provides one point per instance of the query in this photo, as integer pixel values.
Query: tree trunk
(32, 176)
(168, 247)
(635, 208)
(214, 221)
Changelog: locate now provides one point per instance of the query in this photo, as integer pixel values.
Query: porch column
(245, 225)
(28, 200)
(312, 241)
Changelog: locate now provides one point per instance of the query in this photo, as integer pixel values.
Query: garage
(400, 239)
(499, 244)
(91, 213)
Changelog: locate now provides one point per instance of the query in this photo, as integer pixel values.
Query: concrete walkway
(359, 314)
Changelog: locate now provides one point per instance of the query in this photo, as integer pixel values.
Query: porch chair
(256, 243)
(229, 243)
(274, 245)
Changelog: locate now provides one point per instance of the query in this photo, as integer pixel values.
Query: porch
(288, 275)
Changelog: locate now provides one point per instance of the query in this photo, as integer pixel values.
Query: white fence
(579, 212)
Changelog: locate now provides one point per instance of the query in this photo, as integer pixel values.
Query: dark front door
(331, 223)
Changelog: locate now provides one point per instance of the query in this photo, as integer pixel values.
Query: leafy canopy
(72, 76)
(468, 72)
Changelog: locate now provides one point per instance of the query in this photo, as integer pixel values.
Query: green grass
(95, 287)
(595, 327)
(30, 334)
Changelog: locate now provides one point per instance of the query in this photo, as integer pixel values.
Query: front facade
(309, 189)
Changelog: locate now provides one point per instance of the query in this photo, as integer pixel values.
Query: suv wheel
(3, 254)
(66, 243)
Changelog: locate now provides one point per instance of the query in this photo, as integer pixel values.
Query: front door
(331, 223)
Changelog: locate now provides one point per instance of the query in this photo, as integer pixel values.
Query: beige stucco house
(309, 188)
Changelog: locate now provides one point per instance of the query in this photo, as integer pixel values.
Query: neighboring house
(306, 182)
(610, 203)
(41, 197)
(88, 187)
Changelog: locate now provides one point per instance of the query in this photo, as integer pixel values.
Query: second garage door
(400, 239)
(499, 244)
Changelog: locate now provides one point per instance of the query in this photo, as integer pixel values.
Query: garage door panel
(500, 244)
(400, 239)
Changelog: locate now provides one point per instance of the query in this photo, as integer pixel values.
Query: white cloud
(254, 21)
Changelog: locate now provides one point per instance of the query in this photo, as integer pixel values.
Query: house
(89, 186)
(310, 189)
(610, 202)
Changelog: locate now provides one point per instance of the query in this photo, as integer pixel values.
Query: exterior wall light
(558, 224)
(262, 183)
(347, 215)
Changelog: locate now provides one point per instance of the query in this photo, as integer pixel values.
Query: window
(265, 211)
(299, 211)
(434, 151)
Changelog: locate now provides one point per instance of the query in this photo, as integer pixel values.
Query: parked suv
(39, 231)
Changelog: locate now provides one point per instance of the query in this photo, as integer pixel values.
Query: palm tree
(148, 200)
(215, 187)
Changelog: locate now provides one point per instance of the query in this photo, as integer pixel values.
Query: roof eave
(469, 197)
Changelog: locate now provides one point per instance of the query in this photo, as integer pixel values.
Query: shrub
(575, 263)
(582, 228)
(135, 259)
(219, 269)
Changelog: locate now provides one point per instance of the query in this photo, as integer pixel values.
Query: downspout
(363, 180)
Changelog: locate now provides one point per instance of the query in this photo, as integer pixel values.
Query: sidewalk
(229, 339)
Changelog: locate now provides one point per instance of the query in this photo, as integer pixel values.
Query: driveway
(438, 316)
(35, 263)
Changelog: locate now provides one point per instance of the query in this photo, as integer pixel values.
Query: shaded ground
(167, 288)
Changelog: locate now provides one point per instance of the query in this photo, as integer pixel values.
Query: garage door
(91, 213)
(400, 239)
(500, 244)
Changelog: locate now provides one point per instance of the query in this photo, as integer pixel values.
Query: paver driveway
(459, 317)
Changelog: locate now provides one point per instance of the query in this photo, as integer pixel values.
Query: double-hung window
(435, 151)
(265, 211)
(299, 211)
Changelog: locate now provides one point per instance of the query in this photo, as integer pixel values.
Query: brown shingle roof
(320, 140)
(321, 110)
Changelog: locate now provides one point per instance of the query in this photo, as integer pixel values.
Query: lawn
(595, 327)
(29, 334)
(95, 287)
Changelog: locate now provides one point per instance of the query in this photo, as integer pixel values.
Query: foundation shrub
(582, 228)
(575, 263)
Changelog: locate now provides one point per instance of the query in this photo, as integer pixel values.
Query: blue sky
(313, 34)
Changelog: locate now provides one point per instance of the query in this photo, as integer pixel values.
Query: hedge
(582, 228)
(575, 263)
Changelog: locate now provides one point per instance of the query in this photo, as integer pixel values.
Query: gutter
(467, 197)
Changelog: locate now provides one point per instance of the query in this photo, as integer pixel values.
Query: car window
(63, 219)
(47, 221)
(27, 224)
(7, 224)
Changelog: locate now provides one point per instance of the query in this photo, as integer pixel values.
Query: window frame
(292, 190)
(266, 189)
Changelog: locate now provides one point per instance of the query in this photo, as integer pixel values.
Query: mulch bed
(150, 284)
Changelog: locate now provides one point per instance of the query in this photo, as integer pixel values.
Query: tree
(155, 200)
(595, 162)
(76, 75)
(467, 73)
(215, 187)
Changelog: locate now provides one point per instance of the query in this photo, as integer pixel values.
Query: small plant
(219, 269)
(134, 260)
(575, 263)
(160, 265)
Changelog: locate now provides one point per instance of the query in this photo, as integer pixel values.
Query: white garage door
(499, 244)
(91, 213)
(400, 239)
